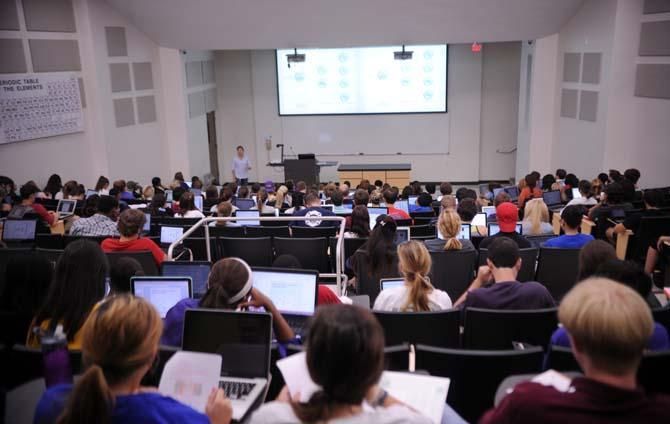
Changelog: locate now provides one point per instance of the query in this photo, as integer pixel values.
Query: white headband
(247, 285)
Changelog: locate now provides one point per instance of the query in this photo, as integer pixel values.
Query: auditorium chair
(198, 248)
(49, 241)
(662, 316)
(396, 358)
(67, 239)
(25, 364)
(453, 271)
(264, 231)
(538, 241)
(225, 231)
(52, 255)
(351, 245)
(528, 260)
(144, 257)
(557, 270)
(366, 282)
(311, 252)
(254, 251)
(309, 232)
(422, 231)
(436, 328)
(5, 257)
(497, 329)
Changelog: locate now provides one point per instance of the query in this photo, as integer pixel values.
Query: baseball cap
(269, 186)
(507, 214)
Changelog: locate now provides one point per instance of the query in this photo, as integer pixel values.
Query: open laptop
(197, 192)
(575, 193)
(198, 271)
(412, 199)
(146, 229)
(497, 191)
(170, 234)
(403, 205)
(374, 213)
(244, 204)
(90, 192)
(464, 234)
(342, 210)
(513, 192)
(553, 199)
(402, 235)
(243, 341)
(489, 210)
(162, 292)
(293, 291)
(328, 207)
(19, 230)
(197, 200)
(66, 208)
(479, 220)
(391, 283)
(168, 196)
(248, 214)
(494, 228)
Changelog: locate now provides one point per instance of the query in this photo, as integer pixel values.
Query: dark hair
(615, 175)
(381, 244)
(131, 222)
(615, 193)
(390, 197)
(118, 185)
(243, 192)
(186, 202)
(626, 272)
(503, 252)
(179, 176)
(592, 255)
(430, 188)
(155, 181)
(361, 197)
(360, 221)
(300, 186)
(27, 277)
(502, 197)
(467, 209)
(547, 181)
(379, 183)
(255, 187)
(227, 278)
(585, 188)
(406, 192)
(78, 284)
(561, 173)
(311, 197)
(571, 180)
(572, 216)
(633, 175)
(345, 357)
(416, 188)
(653, 197)
(445, 188)
(603, 178)
(460, 193)
(91, 206)
(336, 198)
(106, 204)
(54, 185)
(211, 192)
(424, 199)
(536, 175)
(28, 190)
(239, 147)
(157, 202)
(102, 182)
(120, 273)
(628, 190)
(531, 181)
(289, 185)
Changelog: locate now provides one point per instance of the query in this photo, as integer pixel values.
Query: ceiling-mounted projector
(403, 55)
(295, 57)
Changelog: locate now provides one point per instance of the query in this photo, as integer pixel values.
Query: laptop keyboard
(297, 324)
(236, 389)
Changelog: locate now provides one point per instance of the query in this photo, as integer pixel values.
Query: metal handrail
(339, 250)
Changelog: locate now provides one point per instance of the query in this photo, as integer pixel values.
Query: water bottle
(55, 357)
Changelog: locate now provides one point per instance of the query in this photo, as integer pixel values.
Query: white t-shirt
(190, 214)
(241, 167)
(583, 201)
(393, 300)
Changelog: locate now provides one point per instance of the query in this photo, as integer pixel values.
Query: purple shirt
(173, 326)
(510, 295)
(658, 341)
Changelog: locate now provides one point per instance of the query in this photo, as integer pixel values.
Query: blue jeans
(242, 181)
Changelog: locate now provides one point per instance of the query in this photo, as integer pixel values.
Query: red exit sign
(476, 47)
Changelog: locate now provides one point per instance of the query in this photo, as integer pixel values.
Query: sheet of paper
(554, 379)
(190, 376)
(296, 375)
(424, 393)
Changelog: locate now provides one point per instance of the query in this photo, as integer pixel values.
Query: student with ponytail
(449, 226)
(417, 294)
(229, 286)
(120, 344)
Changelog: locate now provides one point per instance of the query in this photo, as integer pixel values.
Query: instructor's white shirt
(241, 167)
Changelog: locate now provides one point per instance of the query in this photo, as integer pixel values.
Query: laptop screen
(244, 204)
(292, 292)
(401, 235)
(197, 200)
(552, 197)
(162, 293)
(412, 199)
(479, 220)
(483, 189)
(495, 229)
(465, 232)
(497, 191)
(373, 221)
(241, 338)
(348, 205)
(489, 210)
(248, 214)
(147, 225)
(90, 192)
(168, 196)
(391, 283)
(196, 192)
(378, 211)
(170, 234)
(513, 192)
(198, 271)
(403, 205)
(66, 207)
(19, 230)
(576, 194)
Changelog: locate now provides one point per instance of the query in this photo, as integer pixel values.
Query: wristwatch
(381, 398)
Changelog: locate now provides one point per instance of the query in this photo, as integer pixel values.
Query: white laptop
(576, 194)
(147, 224)
(494, 228)
(464, 234)
(479, 220)
(248, 214)
(402, 235)
(243, 341)
(168, 196)
(66, 208)
(162, 292)
(391, 283)
(489, 210)
(90, 192)
(403, 205)
(197, 200)
(170, 234)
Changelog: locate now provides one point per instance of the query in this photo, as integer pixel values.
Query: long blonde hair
(120, 336)
(536, 212)
(279, 197)
(414, 264)
(449, 225)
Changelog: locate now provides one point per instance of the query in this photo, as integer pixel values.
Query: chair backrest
(351, 245)
(419, 220)
(144, 257)
(452, 271)
(396, 358)
(198, 247)
(475, 375)
(538, 241)
(179, 222)
(49, 241)
(67, 239)
(651, 227)
(5, 256)
(219, 231)
(153, 377)
(254, 251)
(366, 281)
(422, 231)
(428, 214)
(309, 232)
(557, 270)
(440, 328)
(26, 364)
(528, 260)
(560, 358)
(403, 222)
(261, 231)
(52, 255)
(497, 329)
(311, 252)
(14, 327)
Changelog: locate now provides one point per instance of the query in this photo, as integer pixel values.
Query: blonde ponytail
(414, 264)
(449, 226)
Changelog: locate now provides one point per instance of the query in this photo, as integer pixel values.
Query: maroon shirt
(588, 401)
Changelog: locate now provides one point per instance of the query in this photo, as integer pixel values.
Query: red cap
(507, 215)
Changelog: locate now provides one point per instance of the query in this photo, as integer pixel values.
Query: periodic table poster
(39, 105)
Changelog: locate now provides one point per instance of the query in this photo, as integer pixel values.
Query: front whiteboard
(39, 105)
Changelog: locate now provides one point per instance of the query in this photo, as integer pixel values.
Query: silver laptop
(494, 228)
(170, 234)
(162, 292)
(464, 234)
(553, 199)
(197, 270)
(243, 341)
(403, 205)
(391, 283)
(402, 235)
(19, 229)
(248, 214)
(66, 208)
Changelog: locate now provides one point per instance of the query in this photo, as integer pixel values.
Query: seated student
(445, 190)
(324, 295)
(467, 210)
(102, 223)
(336, 199)
(120, 186)
(417, 294)
(54, 186)
(261, 198)
(187, 208)
(498, 200)
(345, 358)
(502, 265)
(448, 202)
(130, 225)
(571, 221)
(530, 191)
(592, 255)
(121, 272)
(536, 219)
(224, 209)
(449, 227)
(28, 206)
(390, 197)
(587, 199)
(120, 343)
(68, 190)
(507, 215)
(423, 204)
(157, 184)
(78, 284)
(280, 199)
(378, 254)
(314, 210)
(360, 223)
(612, 198)
(430, 189)
(609, 327)
(560, 175)
(157, 207)
(229, 286)
(211, 197)
(547, 182)
(376, 198)
(653, 200)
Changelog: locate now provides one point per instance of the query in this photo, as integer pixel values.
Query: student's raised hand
(218, 408)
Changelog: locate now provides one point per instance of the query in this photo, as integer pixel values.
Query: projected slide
(363, 80)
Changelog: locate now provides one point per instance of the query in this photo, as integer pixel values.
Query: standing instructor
(241, 167)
